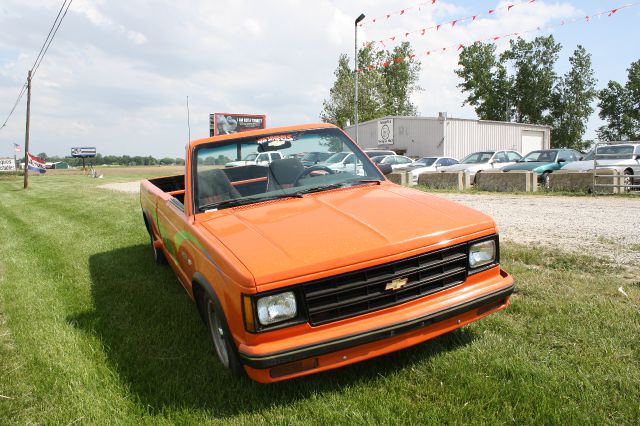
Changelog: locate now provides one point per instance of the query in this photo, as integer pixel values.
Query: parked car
(311, 158)
(427, 164)
(295, 273)
(395, 161)
(623, 157)
(256, 158)
(340, 161)
(484, 160)
(543, 162)
(371, 152)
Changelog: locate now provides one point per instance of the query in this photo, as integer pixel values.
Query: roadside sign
(83, 152)
(385, 132)
(221, 123)
(7, 164)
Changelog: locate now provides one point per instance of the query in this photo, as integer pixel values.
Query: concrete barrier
(401, 178)
(572, 181)
(499, 181)
(445, 180)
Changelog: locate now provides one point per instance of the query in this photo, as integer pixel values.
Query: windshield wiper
(234, 202)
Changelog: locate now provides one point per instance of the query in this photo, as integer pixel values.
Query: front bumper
(343, 350)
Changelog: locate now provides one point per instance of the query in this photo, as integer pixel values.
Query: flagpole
(26, 133)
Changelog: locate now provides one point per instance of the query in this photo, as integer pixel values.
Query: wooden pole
(26, 133)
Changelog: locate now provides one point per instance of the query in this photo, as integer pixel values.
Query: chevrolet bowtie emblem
(396, 284)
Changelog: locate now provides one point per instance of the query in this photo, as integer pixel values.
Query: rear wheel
(223, 344)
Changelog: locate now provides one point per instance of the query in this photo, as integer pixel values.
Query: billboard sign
(83, 152)
(385, 132)
(7, 164)
(223, 123)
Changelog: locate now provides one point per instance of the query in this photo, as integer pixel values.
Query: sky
(118, 74)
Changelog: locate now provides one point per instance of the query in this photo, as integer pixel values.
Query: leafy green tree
(485, 79)
(571, 102)
(385, 88)
(534, 76)
(620, 108)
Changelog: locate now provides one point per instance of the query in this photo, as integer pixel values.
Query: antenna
(188, 121)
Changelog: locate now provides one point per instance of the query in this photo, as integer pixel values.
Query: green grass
(92, 332)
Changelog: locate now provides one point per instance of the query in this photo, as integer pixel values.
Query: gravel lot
(584, 225)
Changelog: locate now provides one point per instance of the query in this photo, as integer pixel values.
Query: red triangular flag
(423, 31)
(473, 18)
(402, 12)
(491, 11)
(460, 46)
(437, 27)
(453, 23)
(509, 7)
(406, 34)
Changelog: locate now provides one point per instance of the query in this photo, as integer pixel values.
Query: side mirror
(562, 160)
(385, 168)
(636, 157)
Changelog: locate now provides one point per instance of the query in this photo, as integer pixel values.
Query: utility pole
(26, 134)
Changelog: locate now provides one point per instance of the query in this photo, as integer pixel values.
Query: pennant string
(504, 37)
(453, 23)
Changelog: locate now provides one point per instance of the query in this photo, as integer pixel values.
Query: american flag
(16, 147)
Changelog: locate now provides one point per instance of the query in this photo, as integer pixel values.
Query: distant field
(92, 332)
(123, 171)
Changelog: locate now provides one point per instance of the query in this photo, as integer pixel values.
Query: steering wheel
(314, 168)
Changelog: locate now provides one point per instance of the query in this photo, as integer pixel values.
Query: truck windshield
(224, 179)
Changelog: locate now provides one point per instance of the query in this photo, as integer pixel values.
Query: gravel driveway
(584, 225)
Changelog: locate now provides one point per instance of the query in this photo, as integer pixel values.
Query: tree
(620, 108)
(384, 87)
(571, 102)
(486, 81)
(534, 76)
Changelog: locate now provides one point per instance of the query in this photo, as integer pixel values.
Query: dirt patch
(130, 187)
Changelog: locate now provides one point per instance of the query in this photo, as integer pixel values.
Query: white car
(484, 160)
(623, 157)
(259, 159)
(395, 161)
(427, 164)
(341, 162)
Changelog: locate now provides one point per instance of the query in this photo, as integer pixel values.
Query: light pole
(355, 72)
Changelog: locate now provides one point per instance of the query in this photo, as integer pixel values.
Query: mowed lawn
(92, 332)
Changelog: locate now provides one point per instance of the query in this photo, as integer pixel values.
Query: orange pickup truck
(297, 267)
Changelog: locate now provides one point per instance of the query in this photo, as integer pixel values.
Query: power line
(15, 105)
(52, 35)
(48, 35)
(43, 51)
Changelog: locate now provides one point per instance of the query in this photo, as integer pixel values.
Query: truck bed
(173, 185)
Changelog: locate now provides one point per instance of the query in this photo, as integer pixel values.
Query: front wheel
(223, 344)
(627, 180)
(544, 179)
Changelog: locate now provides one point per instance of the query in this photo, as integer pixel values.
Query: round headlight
(481, 254)
(277, 308)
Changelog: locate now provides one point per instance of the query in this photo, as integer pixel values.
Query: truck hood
(324, 231)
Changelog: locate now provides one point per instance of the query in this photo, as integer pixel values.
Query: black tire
(544, 180)
(158, 254)
(475, 177)
(627, 180)
(223, 345)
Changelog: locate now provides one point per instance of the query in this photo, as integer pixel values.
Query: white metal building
(449, 137)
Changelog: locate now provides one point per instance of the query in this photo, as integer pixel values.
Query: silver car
(623, 157)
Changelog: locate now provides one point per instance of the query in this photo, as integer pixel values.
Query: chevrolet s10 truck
(297, 270)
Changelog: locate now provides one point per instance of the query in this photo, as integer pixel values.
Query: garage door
(531, 140)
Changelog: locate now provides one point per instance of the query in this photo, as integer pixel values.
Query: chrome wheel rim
(217, 335)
